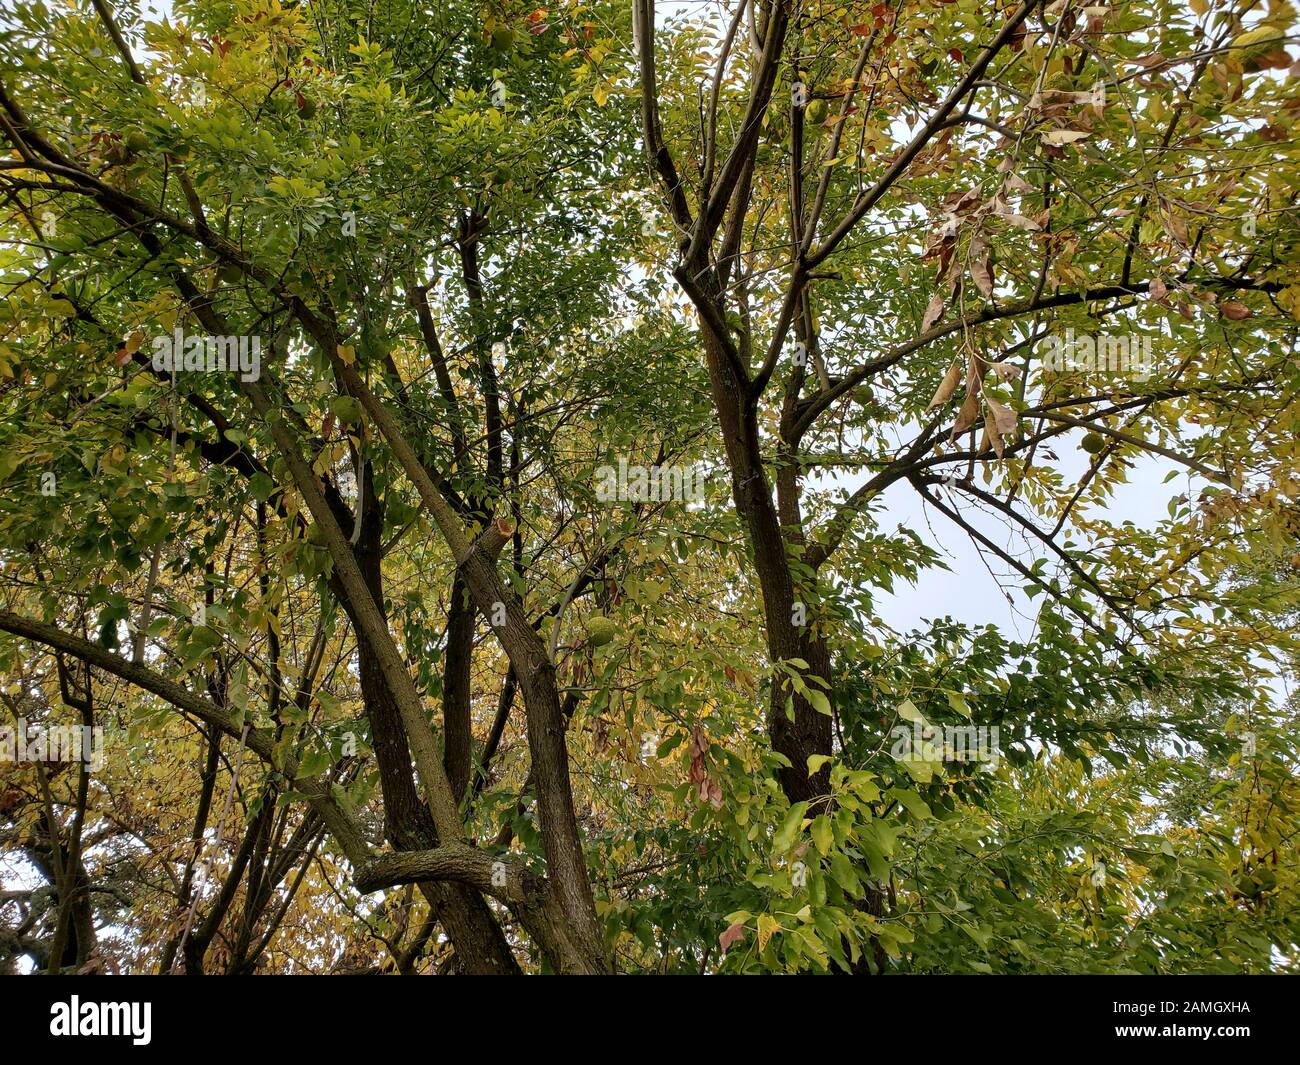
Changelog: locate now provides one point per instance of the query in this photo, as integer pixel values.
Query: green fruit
(600, 630)
(1093, 443)
(817, 113)
(136, 141)
(229, 273)
(503, 38)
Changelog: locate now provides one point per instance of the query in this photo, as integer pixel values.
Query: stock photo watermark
(77, 1018)
(52, 743)
(947, 743)
(650, 484)
(1129, 355)
(198, 353)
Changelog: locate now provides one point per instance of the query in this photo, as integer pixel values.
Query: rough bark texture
(457, 659)
(810, 732)
(477, 937)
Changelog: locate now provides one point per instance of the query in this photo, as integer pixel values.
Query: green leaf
(843, 873)
(785, 835)
(912, 802)
(818, 701)
(822, 834)
(816, 761)
(313, 764)
(262, 486)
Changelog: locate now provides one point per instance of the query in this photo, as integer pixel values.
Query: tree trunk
(480, 944)
(458, 656)
(809, 732)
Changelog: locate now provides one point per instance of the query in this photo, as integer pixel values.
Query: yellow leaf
(1259, 35)
(767, 924)
(1289, 298)
(347, 353)
(601, 94)
(1063, 136)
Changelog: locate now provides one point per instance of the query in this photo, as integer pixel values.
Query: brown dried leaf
(1006, 371)
(1058, 137)
(1021, 222)
(964, 201)
(1097, 98)
(981, 268)
(1175, 227)
(129, 347)
(992, 435)
(966, 417)
(933, 310)
(1149, 61)
(1015, 183)
(947, 387)
(1003, 416)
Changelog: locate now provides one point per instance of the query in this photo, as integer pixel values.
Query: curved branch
(502, 878)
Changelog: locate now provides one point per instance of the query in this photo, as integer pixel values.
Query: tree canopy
(451, 459)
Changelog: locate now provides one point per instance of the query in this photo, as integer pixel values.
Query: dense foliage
(413, 647)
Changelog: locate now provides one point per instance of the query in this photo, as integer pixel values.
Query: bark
(475, 933)
(73, 886)
(457, 659)
(562, 841)
(809, 732)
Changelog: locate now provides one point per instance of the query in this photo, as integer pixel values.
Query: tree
(357, 368)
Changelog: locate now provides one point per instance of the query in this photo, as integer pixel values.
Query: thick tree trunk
(809, 732)
(566, 867)
(570, 886)
(480, 944)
